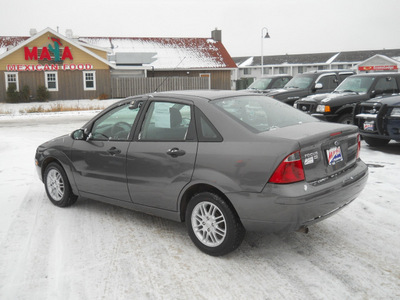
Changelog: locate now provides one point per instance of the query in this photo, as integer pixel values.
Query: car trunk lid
(326, 149)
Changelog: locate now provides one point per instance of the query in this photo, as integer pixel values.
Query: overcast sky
(295, 26)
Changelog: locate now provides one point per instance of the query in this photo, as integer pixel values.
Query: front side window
(12, 80)
(386, 85)
(260, 114)
(51, 81)
(166, 121)
(89, 81)
(328, 82)
(116, 124)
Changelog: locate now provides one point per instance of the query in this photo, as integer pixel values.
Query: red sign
(33, 54)
(377, 68)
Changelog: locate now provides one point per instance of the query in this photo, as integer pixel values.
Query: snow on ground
(97, 251)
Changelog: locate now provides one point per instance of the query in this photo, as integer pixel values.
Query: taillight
(290, 170)
(358, 145)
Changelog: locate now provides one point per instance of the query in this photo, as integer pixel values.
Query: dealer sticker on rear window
(334, 155)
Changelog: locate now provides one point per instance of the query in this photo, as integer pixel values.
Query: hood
(325, 98)
(282, 91)
(389, 100)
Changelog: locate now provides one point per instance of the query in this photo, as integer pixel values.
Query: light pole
(263, 36)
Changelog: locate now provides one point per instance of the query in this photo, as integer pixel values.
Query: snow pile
(79, 106)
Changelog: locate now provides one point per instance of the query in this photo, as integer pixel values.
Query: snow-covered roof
(171, 53)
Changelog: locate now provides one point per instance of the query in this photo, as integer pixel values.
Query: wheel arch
(50, 159)
(200, 188)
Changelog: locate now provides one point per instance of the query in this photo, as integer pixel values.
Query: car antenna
(155, 91)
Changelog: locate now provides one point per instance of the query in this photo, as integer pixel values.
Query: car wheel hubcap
(55, 185)
(208, 224)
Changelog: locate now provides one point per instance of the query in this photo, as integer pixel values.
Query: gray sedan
(222, 161)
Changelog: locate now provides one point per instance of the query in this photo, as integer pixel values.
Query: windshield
(355, 84)
(260, 84)
(299, 82)
(260, 113)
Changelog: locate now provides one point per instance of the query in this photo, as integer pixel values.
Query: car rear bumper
(285, 208)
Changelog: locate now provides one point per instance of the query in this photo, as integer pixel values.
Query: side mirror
(79, 135)
(319, 86)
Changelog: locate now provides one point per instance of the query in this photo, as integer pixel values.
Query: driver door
(100, 161)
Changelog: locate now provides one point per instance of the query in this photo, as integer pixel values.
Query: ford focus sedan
(223, 162)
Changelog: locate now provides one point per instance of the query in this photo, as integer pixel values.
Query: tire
(213, 226)
(57, 186)
(375, 142)
(346, 119)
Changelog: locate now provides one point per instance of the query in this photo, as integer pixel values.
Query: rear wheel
(345, 119)
(213, 225)
(375, 142)
(57, 186)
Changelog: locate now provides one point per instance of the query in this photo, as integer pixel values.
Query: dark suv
(379, 120)
(309, 83)
(269, 83)
(338, 106)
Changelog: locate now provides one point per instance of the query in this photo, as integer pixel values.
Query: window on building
(282, 70)
(51, 81)
(300, 70)
(266, 70)
(246, 71)
(12, 80)
(89, 81)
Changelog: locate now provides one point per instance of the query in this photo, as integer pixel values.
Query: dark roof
(315, 58)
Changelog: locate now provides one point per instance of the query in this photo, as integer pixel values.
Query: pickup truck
(302, 85)
(338, 106)
(379, 120)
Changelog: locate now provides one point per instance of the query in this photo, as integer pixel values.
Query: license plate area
(334, 155)
(369, 126)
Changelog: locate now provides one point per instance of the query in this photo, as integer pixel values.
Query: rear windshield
(260, 113)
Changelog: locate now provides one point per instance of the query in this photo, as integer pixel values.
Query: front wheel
(346, 119)
(213, 225)
(375, 142)
(57, 186)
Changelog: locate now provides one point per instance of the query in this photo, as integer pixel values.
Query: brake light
(358, 145)
(290, 170)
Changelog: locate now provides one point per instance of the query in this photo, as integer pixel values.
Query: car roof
(377, 74)
(206, 95)
(329, 71)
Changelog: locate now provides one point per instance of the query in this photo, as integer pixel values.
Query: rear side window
(206, 132)
(260, 113)
(166, 121)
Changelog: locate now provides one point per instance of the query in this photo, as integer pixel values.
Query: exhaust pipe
(303, 229)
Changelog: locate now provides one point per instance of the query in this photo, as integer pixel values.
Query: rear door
(160, 162)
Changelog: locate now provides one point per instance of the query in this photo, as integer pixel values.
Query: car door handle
(113, 151)
(175, 152)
